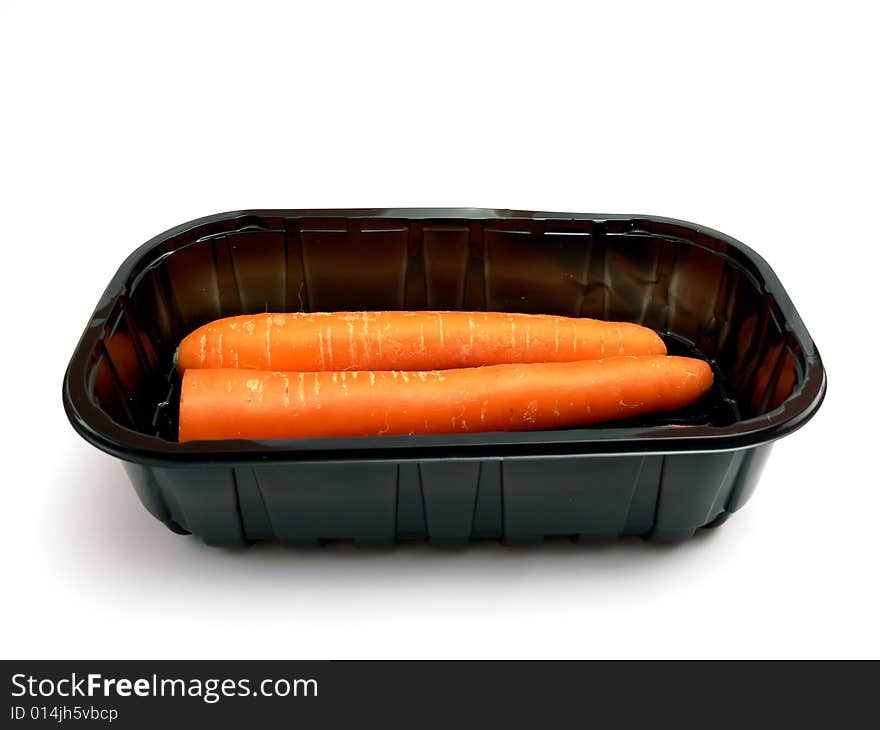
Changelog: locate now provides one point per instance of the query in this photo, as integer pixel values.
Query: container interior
(703, 295)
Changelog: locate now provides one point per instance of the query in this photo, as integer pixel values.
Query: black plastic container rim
(96, 427)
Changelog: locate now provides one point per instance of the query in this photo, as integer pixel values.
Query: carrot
(252, 404)
(406, 341)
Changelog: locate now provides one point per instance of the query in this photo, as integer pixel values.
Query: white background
(119, 122)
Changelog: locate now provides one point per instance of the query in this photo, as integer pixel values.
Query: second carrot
(219, 404)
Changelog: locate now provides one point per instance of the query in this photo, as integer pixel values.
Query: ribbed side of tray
(515, 500)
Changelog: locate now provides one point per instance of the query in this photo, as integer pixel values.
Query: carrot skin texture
(310, 342)
(250, 404)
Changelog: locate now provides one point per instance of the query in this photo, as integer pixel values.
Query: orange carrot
(407, 341)
(252, 404)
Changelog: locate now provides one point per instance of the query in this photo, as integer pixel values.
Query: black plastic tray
(662, 477)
